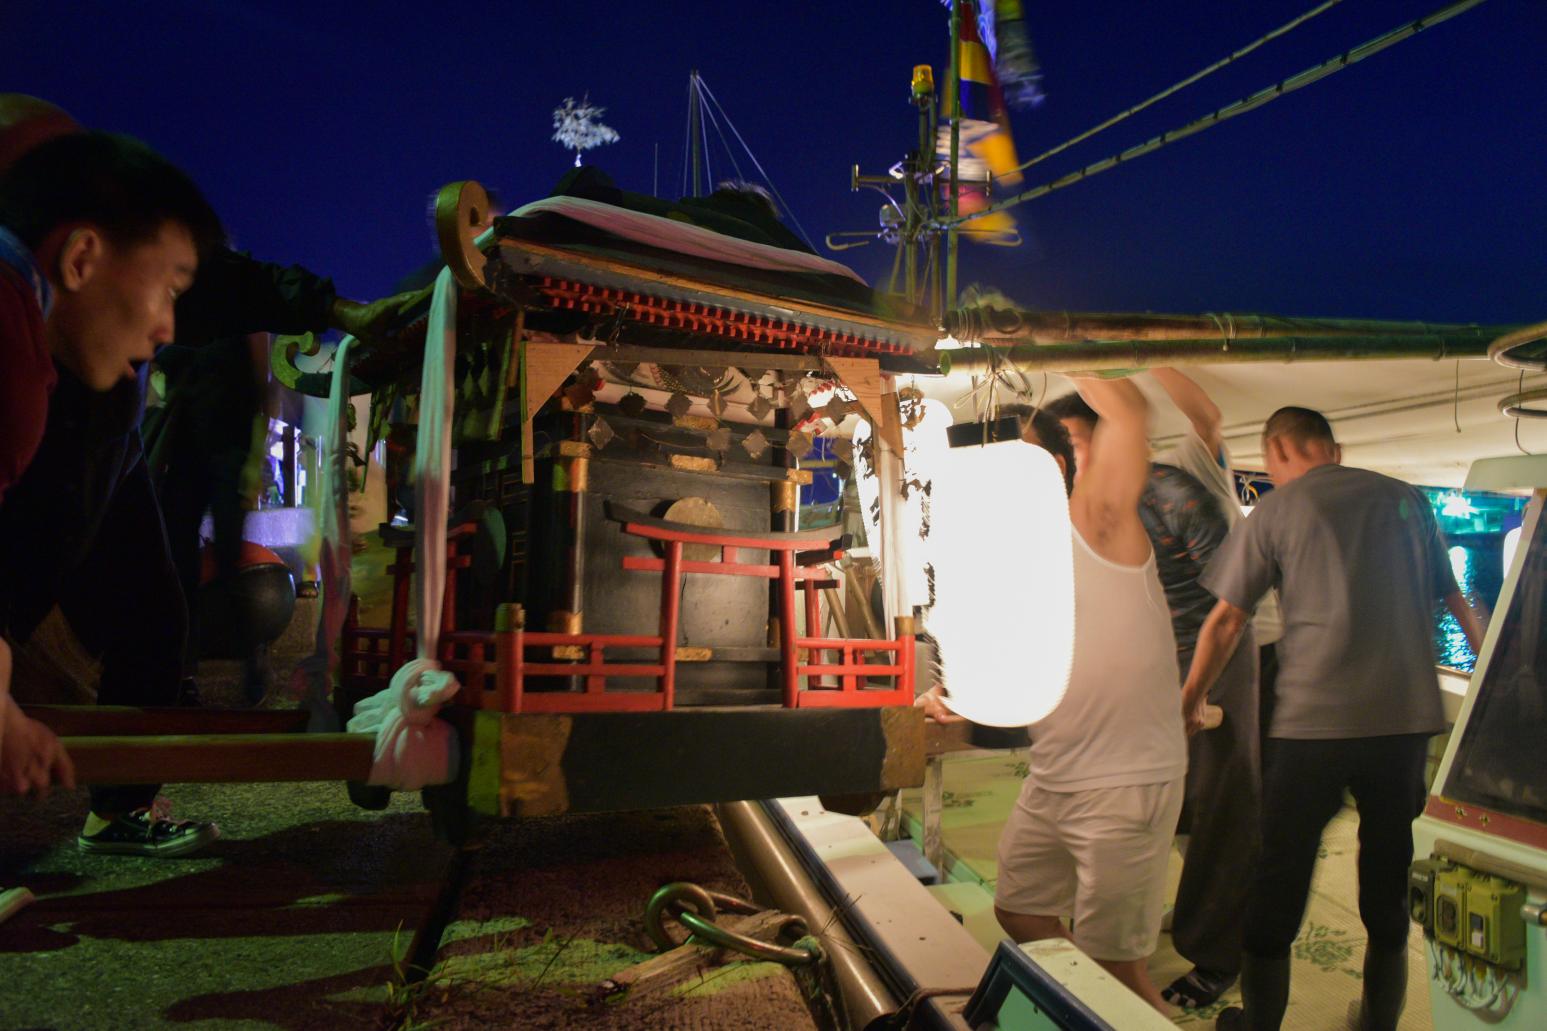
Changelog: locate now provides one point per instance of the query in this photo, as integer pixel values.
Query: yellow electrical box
(1420, 890)
(1450, 897)
(1495, 930)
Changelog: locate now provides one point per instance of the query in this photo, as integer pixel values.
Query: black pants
(1302, 789)
(125, 605)
(200, 480)
(1222, 816)
(1267, 690)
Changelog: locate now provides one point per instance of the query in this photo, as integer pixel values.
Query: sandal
(1197, 988)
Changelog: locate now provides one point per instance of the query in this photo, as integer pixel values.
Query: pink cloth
(684, 238)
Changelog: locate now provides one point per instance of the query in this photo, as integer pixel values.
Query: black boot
(1264, 994)
(1385, 988)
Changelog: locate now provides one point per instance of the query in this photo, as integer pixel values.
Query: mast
(695, 124)
(954, 87)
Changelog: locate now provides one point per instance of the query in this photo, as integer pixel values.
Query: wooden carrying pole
(220, 758)
(125, 745)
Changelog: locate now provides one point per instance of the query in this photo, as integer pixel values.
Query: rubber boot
(1264, 995)
(1385, 989)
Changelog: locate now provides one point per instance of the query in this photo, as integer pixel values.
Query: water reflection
(1479, 570)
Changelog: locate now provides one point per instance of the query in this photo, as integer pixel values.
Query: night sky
(1409, 186)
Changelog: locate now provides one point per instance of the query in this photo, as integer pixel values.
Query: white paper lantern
(1002, 551)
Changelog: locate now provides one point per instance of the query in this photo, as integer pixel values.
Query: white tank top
(1120, 722)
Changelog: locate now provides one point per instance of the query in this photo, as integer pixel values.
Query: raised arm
(1194, 403)
(1105, 502)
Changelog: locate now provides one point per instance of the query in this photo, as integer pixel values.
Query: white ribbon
(412, 747)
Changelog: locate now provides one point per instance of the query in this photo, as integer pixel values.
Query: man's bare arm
(1107, 492)
(1470, 624)
(1194, 402)
(1216, 643)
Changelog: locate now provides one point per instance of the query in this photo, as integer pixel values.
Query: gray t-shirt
(1359, 562)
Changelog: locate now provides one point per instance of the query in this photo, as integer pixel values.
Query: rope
(704, 87)
(1229, 111)
(1163, 94)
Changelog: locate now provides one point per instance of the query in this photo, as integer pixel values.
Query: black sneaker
(146, 833)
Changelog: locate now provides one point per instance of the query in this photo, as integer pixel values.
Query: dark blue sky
(1409, 186)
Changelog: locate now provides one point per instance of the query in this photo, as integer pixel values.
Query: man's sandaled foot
(147, 832)
(1197, 988)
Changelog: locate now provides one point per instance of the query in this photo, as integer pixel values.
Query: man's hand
(933, 704)
(31, 757)
(365, 321)
(1200, 715)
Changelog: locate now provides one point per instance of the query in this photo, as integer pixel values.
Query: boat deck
(981, 786)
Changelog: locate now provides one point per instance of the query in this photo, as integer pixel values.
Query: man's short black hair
(1049, 433)
(1072, 406)
(113, 182)
(1301, 425)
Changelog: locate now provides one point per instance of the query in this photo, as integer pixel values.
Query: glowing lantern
(1002, 550)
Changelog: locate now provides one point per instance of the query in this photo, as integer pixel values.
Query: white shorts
(1098, 856)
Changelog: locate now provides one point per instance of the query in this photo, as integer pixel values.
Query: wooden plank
(544, 368)
(545, 765)
(220, 758)
(120, 720)
(862, 376)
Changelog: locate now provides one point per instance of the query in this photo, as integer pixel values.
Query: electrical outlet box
(1495, 930)
(1420, 890)
(1450, 897)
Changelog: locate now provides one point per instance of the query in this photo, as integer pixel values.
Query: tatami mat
(980, 787)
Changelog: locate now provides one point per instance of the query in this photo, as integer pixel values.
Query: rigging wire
(704, 86)
(723, 141)
(1229, 111)
(1163, 94)
(703, 134)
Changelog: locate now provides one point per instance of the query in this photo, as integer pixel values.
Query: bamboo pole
(1142, 354)
(953, 84)
(1001, 326)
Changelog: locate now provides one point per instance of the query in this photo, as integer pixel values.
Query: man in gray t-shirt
(1359, 563)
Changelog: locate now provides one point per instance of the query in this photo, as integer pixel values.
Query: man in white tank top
(1089, 836)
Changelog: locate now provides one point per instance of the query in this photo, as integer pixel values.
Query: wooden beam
(220, 758)
(862, 376)
(545, 765)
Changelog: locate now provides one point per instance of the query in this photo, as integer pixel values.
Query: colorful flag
(987, 162)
